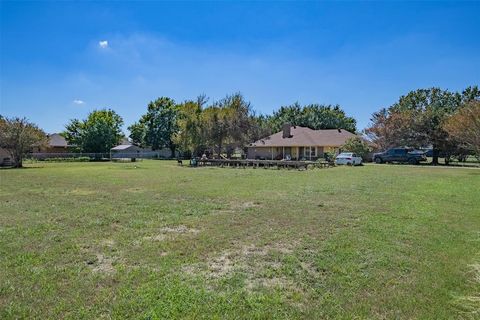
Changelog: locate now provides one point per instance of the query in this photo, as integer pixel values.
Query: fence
(287, 164)
(98, 156)
(141, 155)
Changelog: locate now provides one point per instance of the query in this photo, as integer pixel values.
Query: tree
(463, 127)
(471, 93)
(215, 128)
(357, 145)
(228, 123)
(417, 120)
(429, 108)
(18, 136)
(238, 113)
(100, 132)
(189, 135)
(260, 127)
(313, 116)
(390, 128)
(286, 114)
(317, 117)
(137, 133)
(157, 127)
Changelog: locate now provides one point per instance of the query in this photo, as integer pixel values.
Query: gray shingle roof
(301, 136)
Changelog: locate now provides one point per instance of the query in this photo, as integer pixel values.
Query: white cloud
(103, 44)
(78, 101)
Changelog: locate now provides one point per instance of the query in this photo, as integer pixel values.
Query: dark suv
(404, 155)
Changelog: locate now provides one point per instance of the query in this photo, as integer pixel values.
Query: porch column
(283, 152)
(310, 155)
(271, 149)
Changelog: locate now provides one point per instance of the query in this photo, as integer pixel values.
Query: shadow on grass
(21, 168)
(430, 165)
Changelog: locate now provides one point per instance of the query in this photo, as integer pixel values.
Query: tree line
(448, 122)
(196, 126)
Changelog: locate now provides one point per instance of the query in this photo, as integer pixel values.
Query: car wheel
(378, 160)
(412, 161)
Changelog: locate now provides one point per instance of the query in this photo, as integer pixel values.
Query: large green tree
(137, 133)
(189, 134)
(215, 127)
(18, 136)
(98, 133)
(158, 126)
(228, 123)
(313, 116)
(260, 127)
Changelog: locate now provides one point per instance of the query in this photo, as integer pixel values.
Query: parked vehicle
(429, 153)
(401, 155)
(348, 158)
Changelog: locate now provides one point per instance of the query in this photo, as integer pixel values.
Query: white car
(348, 158)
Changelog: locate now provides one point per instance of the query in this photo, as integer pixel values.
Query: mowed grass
(155, 240)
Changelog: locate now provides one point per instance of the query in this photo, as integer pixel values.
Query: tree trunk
(18, 163)
(172, 151)
(219, 150)
(435, 156)
(229, 153)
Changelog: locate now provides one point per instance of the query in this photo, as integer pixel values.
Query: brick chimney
(286, 130)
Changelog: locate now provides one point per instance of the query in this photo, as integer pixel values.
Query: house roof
(56, 140)
(302, 136)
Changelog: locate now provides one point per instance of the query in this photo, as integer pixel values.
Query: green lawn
(154, 240)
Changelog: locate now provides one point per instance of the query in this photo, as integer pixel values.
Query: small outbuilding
(132, 151)
(125, 151)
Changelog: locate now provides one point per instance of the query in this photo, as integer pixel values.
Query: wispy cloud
(78, 102)
(103, 44)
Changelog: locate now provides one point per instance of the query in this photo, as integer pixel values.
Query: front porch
(286, 153)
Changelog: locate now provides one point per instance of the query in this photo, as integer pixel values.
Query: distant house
(298, 143)
(55, 144)
(5, 157)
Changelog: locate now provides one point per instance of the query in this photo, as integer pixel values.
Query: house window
(310, 151)
(307, 152)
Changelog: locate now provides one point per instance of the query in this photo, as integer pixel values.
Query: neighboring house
(55, 144)
(5, 157)
(298, 143)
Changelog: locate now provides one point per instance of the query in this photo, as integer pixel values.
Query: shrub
(357, 145)
(59, 159)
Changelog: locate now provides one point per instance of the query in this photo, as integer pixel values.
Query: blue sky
(60, 60)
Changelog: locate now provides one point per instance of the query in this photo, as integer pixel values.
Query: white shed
(125, 151)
